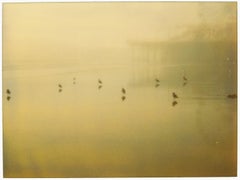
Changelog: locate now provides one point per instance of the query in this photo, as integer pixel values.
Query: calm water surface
(87, 132)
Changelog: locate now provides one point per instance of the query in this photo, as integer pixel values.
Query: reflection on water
(122, 120)
(119, 89)
(83, 132)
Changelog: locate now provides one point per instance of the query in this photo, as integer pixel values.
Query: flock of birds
(174, 95)
(123, 90)
(100, 85)
(174, 103)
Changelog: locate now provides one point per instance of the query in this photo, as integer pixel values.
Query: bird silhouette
(99, 81)
(174, 103)
(232, 96)
(184, 78)
(100, 86)
(74, 80)
(185, 83)
(8, 98)
(60, 90)
(123, 98)
(157, 85)
(8, 91)
(174, 95)
(157, 80)
(123, 91)
(59, 85)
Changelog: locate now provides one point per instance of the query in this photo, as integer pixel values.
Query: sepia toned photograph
(119, 89)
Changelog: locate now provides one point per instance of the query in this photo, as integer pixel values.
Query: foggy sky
(47, 31)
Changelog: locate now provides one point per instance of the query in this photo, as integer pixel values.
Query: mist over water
(84, 131)
(130, 90)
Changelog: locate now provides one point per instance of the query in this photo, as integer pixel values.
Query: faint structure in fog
(147, 57)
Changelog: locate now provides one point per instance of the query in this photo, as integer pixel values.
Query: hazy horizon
(122, 89)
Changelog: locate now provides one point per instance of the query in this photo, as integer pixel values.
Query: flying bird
(174, 103)
(123, 91)
(184, 78)
(157, 80)
(174, 95)
(100, 86)
(8, 91)
(156, 85)
(99, 81)
(123, 98)
(185, 83)
(59, 85)
(60, 90)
